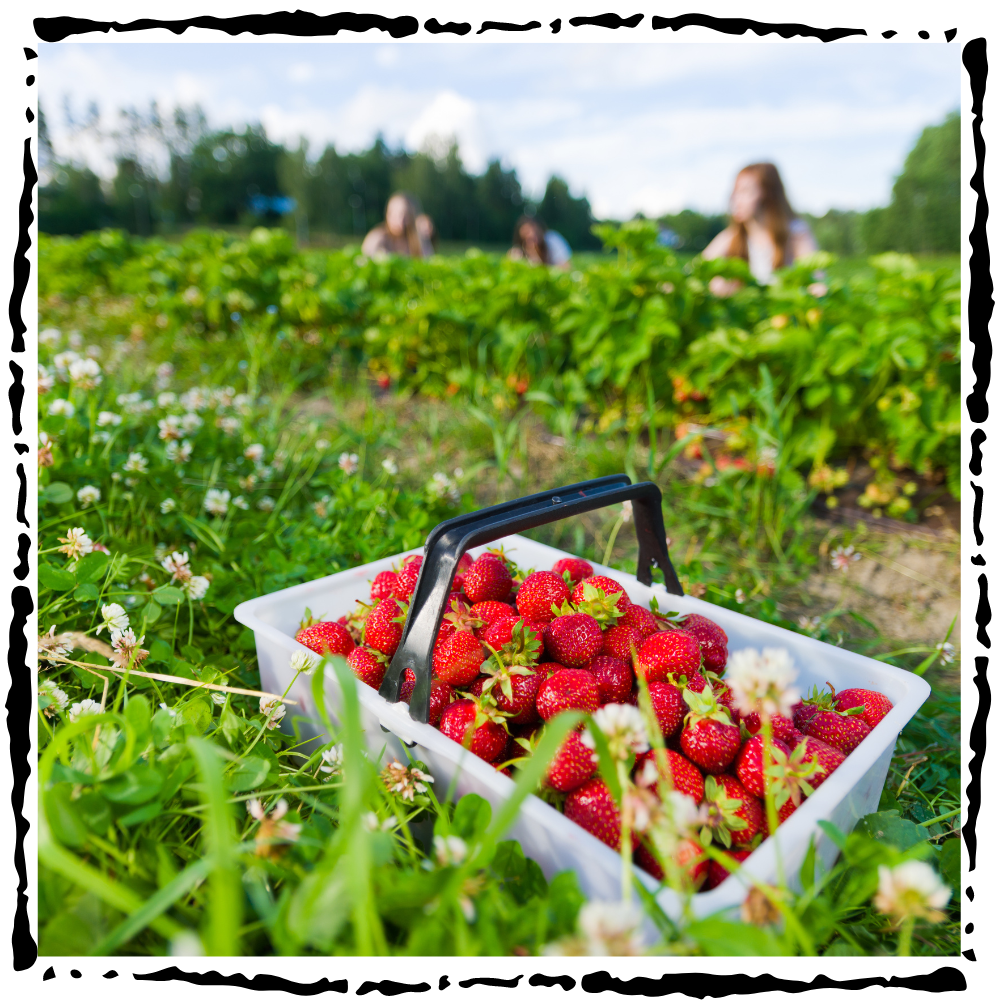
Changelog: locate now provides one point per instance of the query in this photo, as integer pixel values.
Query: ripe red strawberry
(640, 618)
(573, 640)
(538, 593)
(592, 807)
(601, 598)
(669, 653)
(828, 759)
(614, 678)
(573, 764)
(709, 737)
(749, 765)
(459, 619)
(781, 727)
(679, 773)
(844, 732)
(458, 657)
(735, 816)
(712, 639)
(578, 569)
(668, 704)
(382, 630)
(368, 665)
(717, 874)
(689, 859)
(442, 695)
(469, 722)
(383, 585)
(327, 637)
(487, 579)
(501, 632)
(568, 690)
(406, 578)
(490, 612)
(520, 706)
(876, 705)
(605, 585)
(460, 570)
(409, 683)
(620, 640)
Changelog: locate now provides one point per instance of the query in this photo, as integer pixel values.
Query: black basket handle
(451, 539)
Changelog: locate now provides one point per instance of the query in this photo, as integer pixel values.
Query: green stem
(626, 836)
(941, 818)
(611, 540)
(905, 937)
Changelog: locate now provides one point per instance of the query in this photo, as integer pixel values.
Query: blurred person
(763, 229)
(427, 232)
(399, 234)
(537, 245)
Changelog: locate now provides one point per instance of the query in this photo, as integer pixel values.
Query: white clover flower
(88, 495)
(58, 699)
(243, 403)
(217, 501)
(912, 889)
(186, 944)
(241, 502)
(319, 508)
(196, 399)
(348, 463)
(76, 544)
(191, 422)
(196, 587)
(739, 595)
(272, 708)
(170, 428)
(624, 727)
(762, 681)
(303, 660)
(322, 444)
(115, 618)
(61, 408)
(390, 466)
(75, 339)
(333, 759)
(219, 697)
(50, 337)
(168, 506)
(51, 645)
(179, 451)
(254, 452)
(108, 419)
(165, 399)
(136, 462)
(272, 826)
(405, 781)
(223, 397)
(100, 437)
(626, 511)
(86, 707)
(266, 504)
(229, 425)
(369, 821)
(85, 373)
(127, 648)
(172, 712)
(192, 295)
(611, 928)
(842, 558)
(450, 851)
(177, 565)
(947, 651)
(63, 361)
(46, 380)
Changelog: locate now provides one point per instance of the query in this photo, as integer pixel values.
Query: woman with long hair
(763, 229)
(537, 245)
(399, 234)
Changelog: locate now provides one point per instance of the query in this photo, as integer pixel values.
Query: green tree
(924, 215)
(72, 202)
(694, 230)
(568, 215)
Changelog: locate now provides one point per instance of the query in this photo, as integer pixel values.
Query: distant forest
(226, 178)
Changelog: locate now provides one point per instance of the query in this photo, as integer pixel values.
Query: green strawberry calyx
(823, 700)
(790, 773)
(500, 674)
(722, 816)
(308, 620)
(461, 619)
(599, 605)
(704, 705)
(564, 609)
(669, 619)
(523, 649)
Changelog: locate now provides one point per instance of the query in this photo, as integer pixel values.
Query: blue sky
(633, 126)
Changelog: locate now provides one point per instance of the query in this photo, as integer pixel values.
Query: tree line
(242, 178)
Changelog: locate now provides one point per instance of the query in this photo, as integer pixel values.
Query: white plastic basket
(546, 835)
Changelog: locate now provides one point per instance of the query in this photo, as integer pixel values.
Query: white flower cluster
(88, 495)
(217, 502)
(348, 463)
(76, 544)
(108, 419)
(912, 889)
(46, 380)
(441, 487)
(272, 709)
(624, 727)
(85, 373)
(133, 403)
(762, 681)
